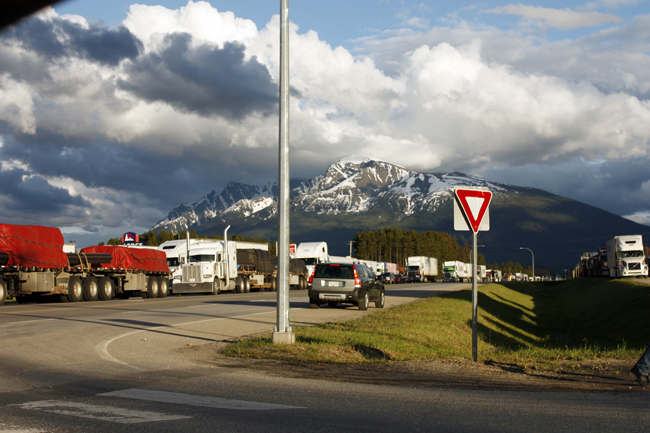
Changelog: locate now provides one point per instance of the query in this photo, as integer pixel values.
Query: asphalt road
(107, 366)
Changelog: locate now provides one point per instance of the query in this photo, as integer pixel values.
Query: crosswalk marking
(104, 413)
(195, 400)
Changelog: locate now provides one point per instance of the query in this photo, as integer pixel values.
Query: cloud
(183, 101)
(205, 80)
(557, 18)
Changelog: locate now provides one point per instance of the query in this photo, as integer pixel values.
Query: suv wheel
(381, 301)
(363, 302)
(314, 305)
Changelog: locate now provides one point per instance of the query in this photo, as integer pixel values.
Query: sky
(112, 113)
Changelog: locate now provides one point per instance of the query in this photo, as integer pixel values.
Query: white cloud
(450, 98)
(557, 18)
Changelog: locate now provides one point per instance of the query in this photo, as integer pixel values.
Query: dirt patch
(598, 375)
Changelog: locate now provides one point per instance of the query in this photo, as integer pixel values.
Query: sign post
(472, 204)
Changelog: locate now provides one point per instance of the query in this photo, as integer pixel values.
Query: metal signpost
(471, 213)
(283, 333)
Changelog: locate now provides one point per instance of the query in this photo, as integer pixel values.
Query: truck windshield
(412, 268)
(309, 261)
(172, 261)
(626, 254)
(202, 258)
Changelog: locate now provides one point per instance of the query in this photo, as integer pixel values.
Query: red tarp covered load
(28, 246)
(132, 258)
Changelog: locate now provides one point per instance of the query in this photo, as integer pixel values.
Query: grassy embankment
(541, 325)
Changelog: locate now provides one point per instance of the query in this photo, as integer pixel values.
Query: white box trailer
(625, 257)
(420, 269)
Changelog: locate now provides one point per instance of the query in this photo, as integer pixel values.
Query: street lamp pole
(531, 252)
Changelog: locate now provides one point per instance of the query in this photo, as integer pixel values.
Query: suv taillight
(311, 277)
(357, 280)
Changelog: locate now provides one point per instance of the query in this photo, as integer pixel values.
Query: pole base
(284, 338)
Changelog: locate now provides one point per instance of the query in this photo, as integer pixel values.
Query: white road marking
(103, 413)
(17, 429)
(102, 348)
(195, 400)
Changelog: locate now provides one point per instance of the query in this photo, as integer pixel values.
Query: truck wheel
(216, 286)
(152, 287)
(239, 284)
(106, 289)
(90, 289)
(3, 291)
(75, 290)
(274, 284)
(247, 285)
(302, 282)
(163, 287)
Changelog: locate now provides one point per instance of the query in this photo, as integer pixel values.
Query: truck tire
(90, 289)
(106, 289)
(153, 287)
(302, 282)
(247, 285)
(239, 284)
(216, 286)
(274, 284)
(3, 291)
(75, 290)
(163, 287)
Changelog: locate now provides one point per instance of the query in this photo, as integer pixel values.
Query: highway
(93, 367)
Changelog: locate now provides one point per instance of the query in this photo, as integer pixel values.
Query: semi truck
(219, 266)
(420, 269)
(454, 272)
(625, 257)
(33, 264)
(312, 253)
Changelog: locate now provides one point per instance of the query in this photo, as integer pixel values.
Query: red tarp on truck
(141, 259)
(29, 246)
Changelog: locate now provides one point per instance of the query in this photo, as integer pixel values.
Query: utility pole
(283, 333)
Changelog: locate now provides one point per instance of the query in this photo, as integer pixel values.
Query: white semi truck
(625, 257)
(420, 269)
(312, 253)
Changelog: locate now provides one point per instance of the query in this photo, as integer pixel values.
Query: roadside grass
(548, 326)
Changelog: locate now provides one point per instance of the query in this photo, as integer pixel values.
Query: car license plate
(333, 284)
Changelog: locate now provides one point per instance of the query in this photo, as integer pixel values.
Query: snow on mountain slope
(351, 185)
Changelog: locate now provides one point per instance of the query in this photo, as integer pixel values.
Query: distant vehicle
(399, 279)
(352, 283)
(420, 269)
(625, 257)
(312, 253)
(454, 272)
(387, 278)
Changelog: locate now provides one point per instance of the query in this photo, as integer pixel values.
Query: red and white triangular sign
(474, 203)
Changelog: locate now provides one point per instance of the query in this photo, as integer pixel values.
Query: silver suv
(336, 283)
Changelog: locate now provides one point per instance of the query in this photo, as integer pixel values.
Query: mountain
(355, 195)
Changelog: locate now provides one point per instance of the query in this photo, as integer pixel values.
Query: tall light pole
(531, 252)
(283, 333)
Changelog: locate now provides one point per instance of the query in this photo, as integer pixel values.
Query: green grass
(524, 323)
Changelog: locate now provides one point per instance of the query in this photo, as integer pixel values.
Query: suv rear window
(334, 271)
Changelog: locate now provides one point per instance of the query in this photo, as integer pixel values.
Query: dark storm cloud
(205, 80)
(34, 194)
(62, 38)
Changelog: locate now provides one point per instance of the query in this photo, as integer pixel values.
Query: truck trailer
(33, 264)
(420, 269)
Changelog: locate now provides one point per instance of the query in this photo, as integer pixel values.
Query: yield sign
(474, 204)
